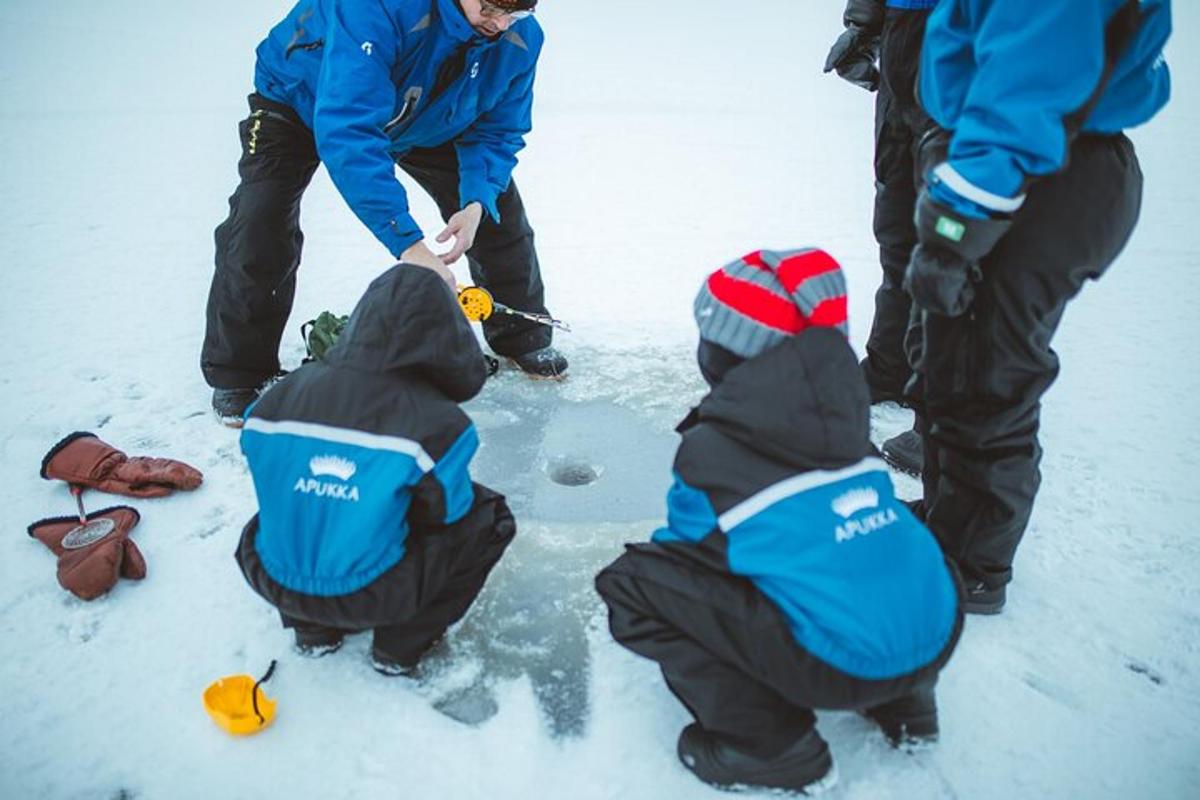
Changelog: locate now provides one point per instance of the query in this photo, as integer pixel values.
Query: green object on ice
(322, 333)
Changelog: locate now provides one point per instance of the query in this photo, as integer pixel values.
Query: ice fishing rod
(478, 304)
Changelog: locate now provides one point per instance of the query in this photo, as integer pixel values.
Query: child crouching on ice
(368, 518)
(788, 577)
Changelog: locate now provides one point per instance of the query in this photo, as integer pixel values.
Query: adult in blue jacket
(1032, 189)
(441, 87)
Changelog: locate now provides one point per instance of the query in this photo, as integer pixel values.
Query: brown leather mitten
(133, 567)
(87, 566)
(82, 459)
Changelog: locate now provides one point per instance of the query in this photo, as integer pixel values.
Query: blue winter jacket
(362, 75)
(776, 481)
(1006, 75)
(349, 453)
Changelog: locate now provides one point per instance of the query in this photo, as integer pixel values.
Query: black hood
(409, 322)
(804, 402)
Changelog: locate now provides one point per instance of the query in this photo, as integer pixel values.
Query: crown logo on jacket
(855, 500)
(333, 466)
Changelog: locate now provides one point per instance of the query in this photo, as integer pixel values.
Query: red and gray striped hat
(755, 302)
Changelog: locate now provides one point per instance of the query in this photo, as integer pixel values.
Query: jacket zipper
(411, 98)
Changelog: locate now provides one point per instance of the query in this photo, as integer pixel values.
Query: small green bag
(321, 333)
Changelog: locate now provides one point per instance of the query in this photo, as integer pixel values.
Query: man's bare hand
(421, 256)
(462, 227)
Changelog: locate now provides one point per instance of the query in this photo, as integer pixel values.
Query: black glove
(853, 55)
(944, 266)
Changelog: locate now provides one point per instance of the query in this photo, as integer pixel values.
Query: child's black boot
(909, 721)
(806, 766)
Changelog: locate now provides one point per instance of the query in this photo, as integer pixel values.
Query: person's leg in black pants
(726, 653)
(982, 375)
(503, 259)
(900, 123)
(258, 249)
(885, 367)
(718, 641)
(454, 573)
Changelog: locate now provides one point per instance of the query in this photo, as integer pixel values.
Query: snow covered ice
(669, 138)
(589, 472)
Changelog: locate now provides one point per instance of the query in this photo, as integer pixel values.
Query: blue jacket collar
(455, 23)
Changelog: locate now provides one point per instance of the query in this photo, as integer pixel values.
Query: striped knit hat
(753, 303)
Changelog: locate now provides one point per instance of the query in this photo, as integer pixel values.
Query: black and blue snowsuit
(368, 518)
(1033, 98)
(788, 576)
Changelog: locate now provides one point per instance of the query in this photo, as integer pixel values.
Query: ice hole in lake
(572, 471)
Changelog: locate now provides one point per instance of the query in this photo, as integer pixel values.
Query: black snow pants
(258, 249)
(412, 604)
(727, 653)
(900, 124)
(981, 376)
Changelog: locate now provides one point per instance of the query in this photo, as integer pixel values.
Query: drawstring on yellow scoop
(238, 704)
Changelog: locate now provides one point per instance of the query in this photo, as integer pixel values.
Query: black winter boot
(805, 767)
(389, 667)
(230, 405)
(905, 452)
(317, 643)
(545, 362)
(983, 600)
(908, 721)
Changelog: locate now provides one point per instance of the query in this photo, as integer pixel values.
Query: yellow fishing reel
(476, 302)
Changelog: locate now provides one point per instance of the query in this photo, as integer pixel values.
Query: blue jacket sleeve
(355, 99)
(690, 515)
(487, 151)
(446, 494)
(1035, 64)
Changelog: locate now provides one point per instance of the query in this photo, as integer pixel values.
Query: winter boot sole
(817, 787)
(984, 608)
(901, 467)
(390, 669)
(534, 376)
(229, 421)
(913, 735)
(318, 650)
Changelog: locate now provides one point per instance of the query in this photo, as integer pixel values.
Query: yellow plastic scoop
(239, 705)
